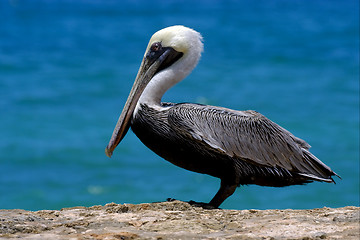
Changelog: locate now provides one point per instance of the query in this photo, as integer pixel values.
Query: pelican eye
(155, 51)
(155, 47)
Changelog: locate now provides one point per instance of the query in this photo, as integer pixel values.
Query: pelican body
(239, 147)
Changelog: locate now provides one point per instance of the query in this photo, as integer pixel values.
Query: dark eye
(155, 47)
(155, 50)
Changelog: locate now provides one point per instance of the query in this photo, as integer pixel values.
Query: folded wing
(248, 136)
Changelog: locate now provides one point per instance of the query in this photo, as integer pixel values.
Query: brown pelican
(239, 147)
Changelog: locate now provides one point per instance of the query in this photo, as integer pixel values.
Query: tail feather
(319, 171)
(315, 178)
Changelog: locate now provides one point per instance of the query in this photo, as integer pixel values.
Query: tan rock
(179, 220)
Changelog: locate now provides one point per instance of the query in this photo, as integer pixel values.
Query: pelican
(239, 147)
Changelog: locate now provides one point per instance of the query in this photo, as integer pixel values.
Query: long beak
(148, 68)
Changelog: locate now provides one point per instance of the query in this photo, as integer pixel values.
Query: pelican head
(172, 53)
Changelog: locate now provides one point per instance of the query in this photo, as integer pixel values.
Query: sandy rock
(179, 220)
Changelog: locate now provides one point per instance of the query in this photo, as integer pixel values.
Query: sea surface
(66, 68)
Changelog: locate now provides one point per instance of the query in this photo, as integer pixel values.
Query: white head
(183, 40)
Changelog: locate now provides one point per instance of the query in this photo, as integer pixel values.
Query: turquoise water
(66, 68)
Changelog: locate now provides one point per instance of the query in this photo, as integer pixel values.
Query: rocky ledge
(179, 220)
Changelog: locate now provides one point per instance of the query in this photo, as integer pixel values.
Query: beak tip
(108, 152)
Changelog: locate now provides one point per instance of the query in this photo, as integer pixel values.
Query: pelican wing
(246, 135)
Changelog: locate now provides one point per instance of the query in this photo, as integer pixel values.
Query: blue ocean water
(66, 68)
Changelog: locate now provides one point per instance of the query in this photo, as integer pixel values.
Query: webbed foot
(195, 204)
(202, 205)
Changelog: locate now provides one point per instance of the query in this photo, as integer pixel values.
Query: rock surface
(179, 220)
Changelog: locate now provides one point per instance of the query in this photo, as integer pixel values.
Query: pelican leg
(225, 191)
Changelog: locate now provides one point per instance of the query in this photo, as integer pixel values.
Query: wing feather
(247, 135)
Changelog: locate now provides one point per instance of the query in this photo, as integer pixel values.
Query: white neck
(165, 79)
